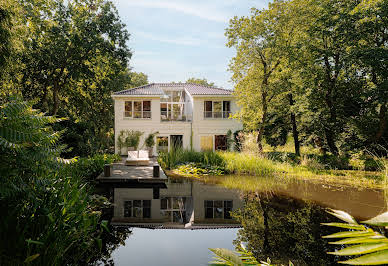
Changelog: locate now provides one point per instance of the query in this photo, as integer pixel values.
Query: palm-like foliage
(361, 240)
(49, 216)
(242, 257)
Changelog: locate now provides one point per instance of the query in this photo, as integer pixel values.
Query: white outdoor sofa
(137, 158)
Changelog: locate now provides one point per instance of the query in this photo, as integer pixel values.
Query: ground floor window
(137, 208)
(173, 209)
(206, 143)
(220, 143)
(218, 209)
(162, 144)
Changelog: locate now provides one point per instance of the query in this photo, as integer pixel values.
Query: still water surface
(175, 223)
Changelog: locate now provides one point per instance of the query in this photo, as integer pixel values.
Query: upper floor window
(216, 109)
(137, 109)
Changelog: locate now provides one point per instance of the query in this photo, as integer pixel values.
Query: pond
(177, 221)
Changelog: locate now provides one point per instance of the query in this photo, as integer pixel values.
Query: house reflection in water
(177, 205)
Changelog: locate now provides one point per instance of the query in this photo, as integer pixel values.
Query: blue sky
(179, 39)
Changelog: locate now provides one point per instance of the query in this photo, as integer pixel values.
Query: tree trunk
(382, 122)
(55, 98)
(295, 132)
(266, 246)
(330, 141)
(44, 104)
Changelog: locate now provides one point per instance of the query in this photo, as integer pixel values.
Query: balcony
(171, 117)
(216, 115)
(138, 114)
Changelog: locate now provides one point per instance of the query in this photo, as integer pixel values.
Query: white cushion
(132, 154)
(143, 154)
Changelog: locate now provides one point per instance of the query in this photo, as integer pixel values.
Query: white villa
(187, 115)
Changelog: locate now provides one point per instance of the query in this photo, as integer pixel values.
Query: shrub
(49, 214)
(169, 160)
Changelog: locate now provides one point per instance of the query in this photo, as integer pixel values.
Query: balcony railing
(211, 115)
(169, 117)
(138, 114)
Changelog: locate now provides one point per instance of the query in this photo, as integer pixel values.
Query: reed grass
(253, 165)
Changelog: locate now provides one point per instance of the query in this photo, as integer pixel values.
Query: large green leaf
(226, 257)
(380, 220)
(377, 258)
(359, 240)
(360, 249)
(351, 234)
(344, 216)
(348, 226)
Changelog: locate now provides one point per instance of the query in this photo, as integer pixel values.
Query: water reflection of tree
(112, 240)
(284, 229)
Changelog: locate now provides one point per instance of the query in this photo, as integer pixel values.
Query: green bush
(49, 213)
(88, 168)
(169, 160)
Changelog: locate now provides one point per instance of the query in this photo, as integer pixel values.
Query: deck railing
(138, 114)
(211, 115)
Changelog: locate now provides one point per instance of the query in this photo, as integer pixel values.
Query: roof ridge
(207, 86)
(134, 88)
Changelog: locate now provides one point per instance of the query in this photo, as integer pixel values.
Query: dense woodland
(313, 70)
(316, 69)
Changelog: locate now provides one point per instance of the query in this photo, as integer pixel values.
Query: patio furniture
(137, 158)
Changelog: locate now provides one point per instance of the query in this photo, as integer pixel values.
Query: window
(220, 143)
(173, 209)
(216, 109)
(146, 109)
(137, 208)
(208, 109)
(137, 109)
(226, 109)
(218, 209)
(161, 144)
(128, 109)
(217, 112)
(206, 143)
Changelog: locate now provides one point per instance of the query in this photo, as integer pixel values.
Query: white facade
(192, 123)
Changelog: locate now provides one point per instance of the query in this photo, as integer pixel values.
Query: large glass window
(173, 209)
(137, 208)
(216, 109)
(218, 209)
(137, 109)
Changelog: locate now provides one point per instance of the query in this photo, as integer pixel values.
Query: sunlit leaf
(360, 249)
(31, 258)
(377, 258)
(380, 220)
(344, 216)
(348, 226)
(358, 240)
(351, 234)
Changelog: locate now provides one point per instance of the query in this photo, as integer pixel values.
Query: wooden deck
(122, 173)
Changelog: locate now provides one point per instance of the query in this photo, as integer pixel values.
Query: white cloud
(204, 11)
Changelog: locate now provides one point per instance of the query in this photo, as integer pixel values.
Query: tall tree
(260, 41)
(67, 41)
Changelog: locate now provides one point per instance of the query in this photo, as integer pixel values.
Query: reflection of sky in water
(172, 247)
